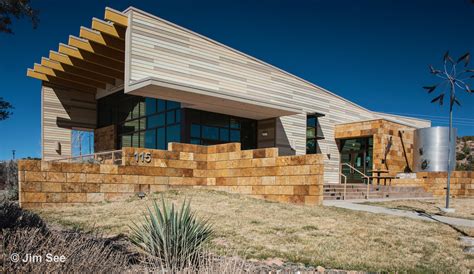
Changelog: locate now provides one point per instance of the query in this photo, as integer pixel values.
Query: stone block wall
(462, 183)
(387, 140)
(105, 138)
(259, 173)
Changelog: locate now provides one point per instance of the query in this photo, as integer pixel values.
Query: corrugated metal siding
(163, 50)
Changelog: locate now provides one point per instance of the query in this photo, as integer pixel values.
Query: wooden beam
(33, 74)
(60, 82)
(98, 49)
(90, 57)
(65, 59)
(70, 77)
(77, 71)
(109, 28)
(116, 16)
(99, 38)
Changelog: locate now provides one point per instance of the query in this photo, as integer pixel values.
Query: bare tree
(452, 79)
(17, 9)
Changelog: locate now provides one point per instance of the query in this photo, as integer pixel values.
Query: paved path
(401, 213)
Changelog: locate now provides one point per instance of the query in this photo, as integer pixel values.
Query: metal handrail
(345, 185)
(94, 156)
(363, 175)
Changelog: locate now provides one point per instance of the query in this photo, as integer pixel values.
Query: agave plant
(452, 79)
(174, 238)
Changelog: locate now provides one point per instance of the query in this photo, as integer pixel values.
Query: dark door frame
(365, 167)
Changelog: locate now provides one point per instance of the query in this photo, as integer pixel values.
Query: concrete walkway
(353, 205)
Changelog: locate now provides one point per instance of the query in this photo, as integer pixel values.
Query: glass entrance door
(357, 153)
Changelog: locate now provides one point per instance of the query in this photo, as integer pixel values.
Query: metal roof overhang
(210, 100)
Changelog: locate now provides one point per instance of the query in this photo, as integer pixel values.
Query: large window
(153, 123)
(208, 128)
(82, 142)
(313, 134)
(141, 122)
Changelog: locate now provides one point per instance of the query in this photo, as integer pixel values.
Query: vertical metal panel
(431, 146)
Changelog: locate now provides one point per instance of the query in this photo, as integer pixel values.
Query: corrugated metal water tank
(431, 149)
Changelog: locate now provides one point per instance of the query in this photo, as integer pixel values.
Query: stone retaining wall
(260, 173)
(462, 183)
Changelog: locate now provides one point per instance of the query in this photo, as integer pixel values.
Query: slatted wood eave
(74, 70)
(65, 59)
(95, 59)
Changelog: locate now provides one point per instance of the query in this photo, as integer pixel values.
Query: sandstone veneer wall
(383, 131)
(105, 138)
(462, 183)
(260, 173)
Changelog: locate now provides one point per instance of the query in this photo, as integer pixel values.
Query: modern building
(137, 80)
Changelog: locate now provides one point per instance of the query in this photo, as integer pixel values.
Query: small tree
(5, 109)
(452, 79)
(17, 9)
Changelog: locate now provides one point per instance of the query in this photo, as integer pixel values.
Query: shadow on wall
(286, 146)
(407, 168)
(398, 152)
(282, 141)
(79, 106)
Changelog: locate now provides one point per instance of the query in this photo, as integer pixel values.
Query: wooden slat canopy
(93, 60)
(58, 66)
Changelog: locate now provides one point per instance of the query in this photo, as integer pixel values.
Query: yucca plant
(174, 238)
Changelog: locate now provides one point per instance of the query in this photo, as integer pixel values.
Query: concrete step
(358, 191)
(358, 195)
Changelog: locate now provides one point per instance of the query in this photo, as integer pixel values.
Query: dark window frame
(199, 120)
(316, 137)
(118, 107)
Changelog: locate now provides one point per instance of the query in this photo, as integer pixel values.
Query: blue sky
(374, 53)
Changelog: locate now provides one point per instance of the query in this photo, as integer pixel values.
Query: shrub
(83, 253)
(460, 156)
(13, 217)
(25, 232)
(173, 238)
(466, 149)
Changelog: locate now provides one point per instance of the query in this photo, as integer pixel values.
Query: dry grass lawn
(326, 236)
(464, 208)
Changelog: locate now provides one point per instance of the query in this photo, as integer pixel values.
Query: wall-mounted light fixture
(58, 148)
